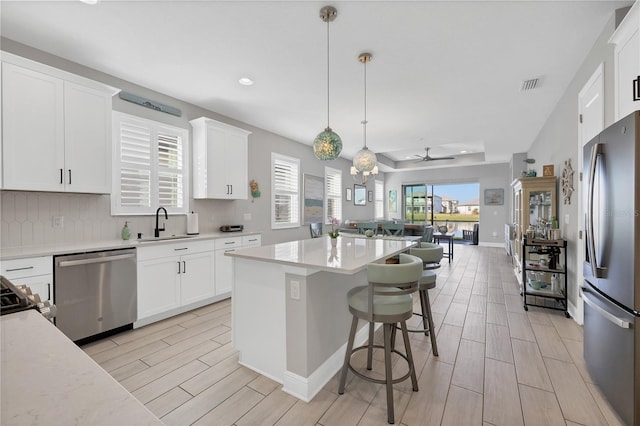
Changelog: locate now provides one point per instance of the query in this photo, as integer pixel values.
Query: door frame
(596, 79)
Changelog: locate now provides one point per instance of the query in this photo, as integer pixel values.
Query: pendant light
(365, 160)
(327, 145)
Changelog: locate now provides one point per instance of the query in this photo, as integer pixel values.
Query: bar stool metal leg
(387, 370)
(347, 356)
(426, 312)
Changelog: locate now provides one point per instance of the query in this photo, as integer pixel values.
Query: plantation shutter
(333, 191)
(149, 166)
(379, 207)
(285, 204)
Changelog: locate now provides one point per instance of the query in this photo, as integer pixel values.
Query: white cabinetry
(627, 62)
(56, 133)
(35, 272)
(224, 264)
(174, 276)
(220, 162)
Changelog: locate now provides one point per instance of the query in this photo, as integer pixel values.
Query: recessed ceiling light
(464, 151)
(245, 81)
(90, 1)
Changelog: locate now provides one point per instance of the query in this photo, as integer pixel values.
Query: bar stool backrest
(392, 280)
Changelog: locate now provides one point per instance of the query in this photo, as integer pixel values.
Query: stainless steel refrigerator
(611, 290)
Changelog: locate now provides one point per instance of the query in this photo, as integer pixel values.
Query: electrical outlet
(494, 234)
(295, 290)
(247, 217)
(58, 222)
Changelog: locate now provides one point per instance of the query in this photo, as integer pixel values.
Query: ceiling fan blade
(441, 158)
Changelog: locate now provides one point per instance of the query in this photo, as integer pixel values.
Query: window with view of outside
(456, 207)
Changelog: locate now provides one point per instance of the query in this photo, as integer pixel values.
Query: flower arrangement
(334, 222)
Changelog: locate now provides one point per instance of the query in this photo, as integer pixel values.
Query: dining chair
(365, 226)
(427, 236)
(396, 229)
(316, 229)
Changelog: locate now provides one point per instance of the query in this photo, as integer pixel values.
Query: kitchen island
(290, 319)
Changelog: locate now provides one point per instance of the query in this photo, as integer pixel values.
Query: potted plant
(333, 234)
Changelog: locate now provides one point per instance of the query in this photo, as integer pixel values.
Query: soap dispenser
(126, 232)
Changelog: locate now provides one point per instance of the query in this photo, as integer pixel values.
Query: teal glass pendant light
(327, 145)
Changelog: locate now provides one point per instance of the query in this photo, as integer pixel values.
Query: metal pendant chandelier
(365, 160)
(327, 145)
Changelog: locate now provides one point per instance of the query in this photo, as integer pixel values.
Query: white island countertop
(352, 252)
(48, 380)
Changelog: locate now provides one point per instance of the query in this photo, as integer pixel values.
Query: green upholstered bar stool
(429, 254)
(387, 300)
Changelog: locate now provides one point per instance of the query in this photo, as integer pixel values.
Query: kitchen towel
(192, 223)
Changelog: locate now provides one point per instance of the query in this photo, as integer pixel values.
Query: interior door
(590, 124)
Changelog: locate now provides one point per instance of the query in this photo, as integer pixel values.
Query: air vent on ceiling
(532, 83)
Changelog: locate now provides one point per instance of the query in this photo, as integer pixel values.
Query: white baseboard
(182, 309)
(576, 314)
(485, 244)
(305, 388)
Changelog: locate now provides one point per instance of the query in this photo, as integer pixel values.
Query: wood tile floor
(498, 365)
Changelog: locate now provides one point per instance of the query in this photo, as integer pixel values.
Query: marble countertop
(48, 380)
(351, 254)
(67, 248)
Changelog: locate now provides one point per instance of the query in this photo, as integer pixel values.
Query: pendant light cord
(328, 126)
(364, 122)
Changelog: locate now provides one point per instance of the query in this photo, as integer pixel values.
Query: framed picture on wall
(359, 195)
(494, 197)
(393, 201)
(313, 209)
(347, 194)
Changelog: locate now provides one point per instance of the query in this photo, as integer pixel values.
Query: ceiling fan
(427, 157)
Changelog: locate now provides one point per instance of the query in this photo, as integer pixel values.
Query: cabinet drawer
(28, 267)
(251, 240)
(157, 251)
(226, 243)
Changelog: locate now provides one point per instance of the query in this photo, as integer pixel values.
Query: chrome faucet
(156, 232)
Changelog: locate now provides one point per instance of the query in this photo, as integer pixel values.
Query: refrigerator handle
(608, 316)
(598, 271)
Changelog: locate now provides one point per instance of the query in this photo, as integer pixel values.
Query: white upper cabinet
(220, 160)
(56, 133)
(627, 62)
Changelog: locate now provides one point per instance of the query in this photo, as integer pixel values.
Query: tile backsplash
(29, 219)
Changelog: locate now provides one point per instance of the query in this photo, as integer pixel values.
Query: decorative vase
(334, 241)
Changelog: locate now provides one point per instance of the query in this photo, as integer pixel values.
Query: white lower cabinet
(177, 277)
(224, 264)
(35, 272)
(172, 276)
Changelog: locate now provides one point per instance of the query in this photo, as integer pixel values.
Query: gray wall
(492, 218)
(558, 140)
(214, 213)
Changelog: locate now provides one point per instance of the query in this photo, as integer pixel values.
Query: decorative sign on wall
(547, 170)
(566, 181)
(130, 97)
(313, 199)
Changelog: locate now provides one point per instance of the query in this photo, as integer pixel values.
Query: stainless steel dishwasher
(95, 292)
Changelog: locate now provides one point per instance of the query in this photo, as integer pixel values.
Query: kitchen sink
(165, 238)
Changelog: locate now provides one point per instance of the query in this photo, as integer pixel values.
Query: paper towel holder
(192, 224)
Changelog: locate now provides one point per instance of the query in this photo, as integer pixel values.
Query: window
(285, 189)
(379, 210)
(333, 194)
(149, 167)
